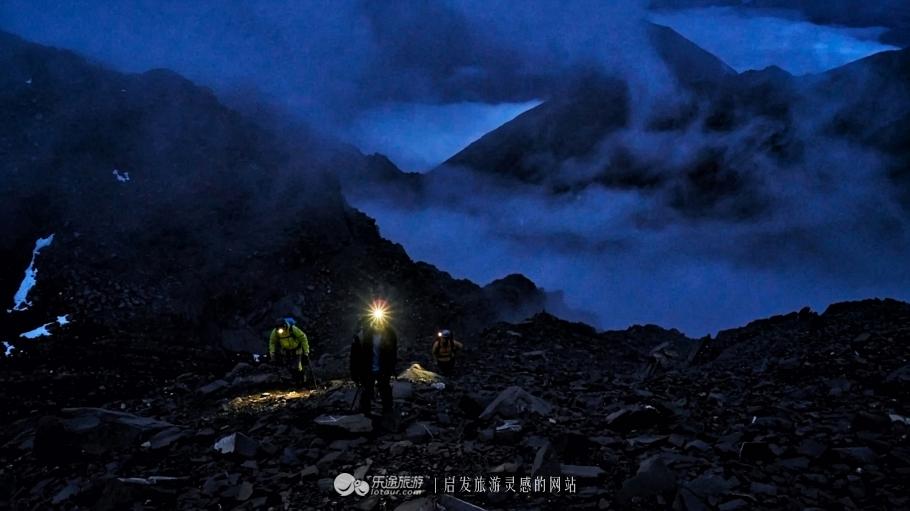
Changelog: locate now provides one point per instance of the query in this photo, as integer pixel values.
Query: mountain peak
(692, 65)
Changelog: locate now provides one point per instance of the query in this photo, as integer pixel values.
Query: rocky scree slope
(802, 411)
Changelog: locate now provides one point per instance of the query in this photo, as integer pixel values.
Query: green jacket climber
(289, 338)
(445, 350)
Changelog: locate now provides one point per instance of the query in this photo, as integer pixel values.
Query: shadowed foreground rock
(795, 412)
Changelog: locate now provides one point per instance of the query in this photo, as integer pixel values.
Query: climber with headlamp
(374, 353)
(289, 346)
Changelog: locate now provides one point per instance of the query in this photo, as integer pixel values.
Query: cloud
(332, 61)
(325, 61)
(746, 40)
(700, 276)
(418, 137)
(827, 226)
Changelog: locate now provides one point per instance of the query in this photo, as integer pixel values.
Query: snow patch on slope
(123, 177)
(42, 330)
(20, 300)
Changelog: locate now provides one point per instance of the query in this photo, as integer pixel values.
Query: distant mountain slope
(528, 146)
(574, 122)
(894, 15)
(874, 93)
(724, 123)
(689, 63)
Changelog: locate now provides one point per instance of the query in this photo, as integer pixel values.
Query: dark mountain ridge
(179, 217)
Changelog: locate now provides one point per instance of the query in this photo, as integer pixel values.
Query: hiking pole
(309, 364)
(356, 395)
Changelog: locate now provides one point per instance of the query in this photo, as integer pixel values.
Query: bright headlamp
(379, 312)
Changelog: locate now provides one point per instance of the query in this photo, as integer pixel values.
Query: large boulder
(81, 419)
(634, 417)
(212, 388)
(653, 478)
(344, 425)
(94, 431)
(856, 455)
(237, 444)
(166, 438)
(515, 401)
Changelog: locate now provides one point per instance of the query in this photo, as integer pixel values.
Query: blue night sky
(386, 75)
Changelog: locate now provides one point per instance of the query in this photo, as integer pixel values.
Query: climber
(289, 346)
(445, 348)
(374, 353)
